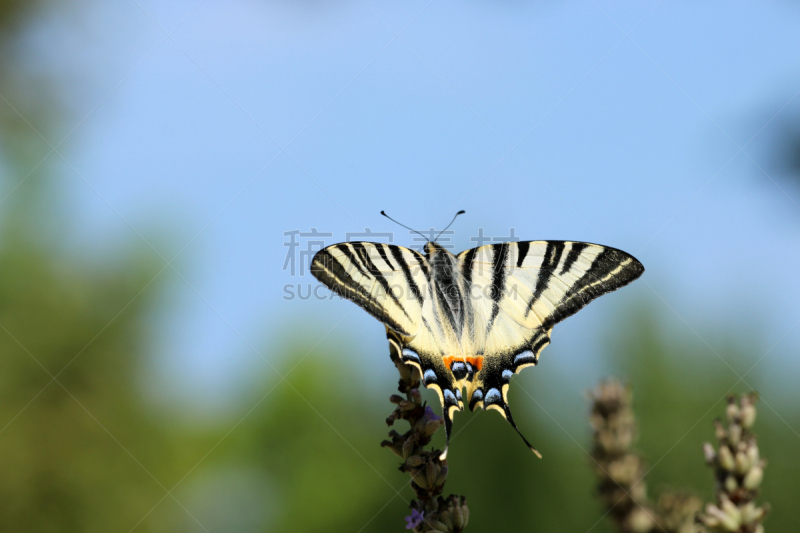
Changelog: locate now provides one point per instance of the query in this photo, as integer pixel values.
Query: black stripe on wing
(610, 270)
(522, 252)
(337, 274)
(574, 253)
(397, 253)
(552, 257)
(466, 276)
(499, 272)
(376, 274)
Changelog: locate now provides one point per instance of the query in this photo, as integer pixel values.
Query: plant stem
(430, 511)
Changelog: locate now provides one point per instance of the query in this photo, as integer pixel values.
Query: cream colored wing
(389, 282)
(518, 292)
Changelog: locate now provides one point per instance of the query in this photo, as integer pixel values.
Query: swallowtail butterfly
(477, 318)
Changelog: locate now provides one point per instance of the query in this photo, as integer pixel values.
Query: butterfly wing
(519, 291)
(389, 282)
(393, 284)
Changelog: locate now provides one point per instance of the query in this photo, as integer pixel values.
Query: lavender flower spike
(416, 518)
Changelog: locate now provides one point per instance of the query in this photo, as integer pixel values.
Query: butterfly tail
(448, 426)
(507, 413)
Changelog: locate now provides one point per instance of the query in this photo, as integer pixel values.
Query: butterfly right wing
(389, 282)
(533, 286)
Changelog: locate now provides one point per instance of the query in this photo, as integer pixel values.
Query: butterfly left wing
(394, 285)
(389, 282)
(519, 291)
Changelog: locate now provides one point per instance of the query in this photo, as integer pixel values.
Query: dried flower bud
(749, 513)
(414, 461)
(732, 411)
(753, 478)
(719, 430)
(728, 522)
(431, 427)
(437, 525)
(752, 453)
(458, 517)
(748, 414)
(734, 434)
(731, 484)
(396, 398)
(741, 462)
(710, 453)
(416, 396)
(431, 472)
(708, 520)
(639, 520)
(407, 449)
(726, 458)
(624, 470)
(395, 447)
(442, 475)
(447, 518)
(717, 518)
(419, 478)
(405, 405)
(731, 510)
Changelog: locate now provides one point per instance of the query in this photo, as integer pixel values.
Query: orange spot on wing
(476, 362)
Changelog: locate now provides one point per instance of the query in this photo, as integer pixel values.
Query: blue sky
(630, 124)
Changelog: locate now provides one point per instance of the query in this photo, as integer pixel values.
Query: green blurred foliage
(64, 443)
(80, 448)
(326, 457)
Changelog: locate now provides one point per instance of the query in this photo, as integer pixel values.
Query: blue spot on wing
(449, 396)
(410, 354)
(494, 396)
(429, 376)
(524, 357)
(507, 374)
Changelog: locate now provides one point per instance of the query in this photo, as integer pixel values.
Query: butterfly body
(473, 320)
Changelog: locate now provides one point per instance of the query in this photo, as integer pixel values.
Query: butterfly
(475, 319)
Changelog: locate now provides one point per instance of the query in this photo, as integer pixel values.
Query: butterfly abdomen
(446, 286)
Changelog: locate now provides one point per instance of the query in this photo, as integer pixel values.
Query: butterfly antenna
(450, 224)
(511, 421)
(399, 224)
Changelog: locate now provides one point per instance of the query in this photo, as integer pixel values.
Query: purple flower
(430, 415)
(416, 517)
